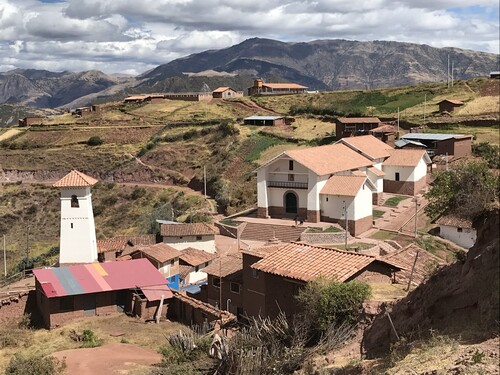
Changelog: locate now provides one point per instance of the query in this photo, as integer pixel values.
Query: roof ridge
(332, 248)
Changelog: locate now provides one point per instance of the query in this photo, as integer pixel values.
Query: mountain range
(320, 65)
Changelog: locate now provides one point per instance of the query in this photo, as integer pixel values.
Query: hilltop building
(449, 105)
(261, 88)
(28, 121)
(77, 240)
(338, 182)
(226, 93)
(352, 126)
(458, 145)
(458, 230)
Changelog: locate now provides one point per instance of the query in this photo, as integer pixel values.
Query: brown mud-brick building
(458, 145)
(224, 284)
(28, 121)
(449, 105)
(261, 88)
(67, 293)
(226, 93)
(264, 120)
(273, 275)
(353, 126)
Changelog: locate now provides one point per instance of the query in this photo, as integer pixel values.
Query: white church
(78, 239)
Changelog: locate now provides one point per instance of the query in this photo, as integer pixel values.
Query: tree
(326, 302)
(465, 190)
(489, 152)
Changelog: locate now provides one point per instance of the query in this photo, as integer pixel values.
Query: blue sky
(130, 36)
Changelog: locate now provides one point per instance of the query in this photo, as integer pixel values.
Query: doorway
(291, 206)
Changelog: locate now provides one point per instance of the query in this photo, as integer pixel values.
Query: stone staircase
(265, 232)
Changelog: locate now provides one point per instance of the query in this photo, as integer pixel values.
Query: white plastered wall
(207, 243)
(78, 240)
(466, 238)
(406, 174)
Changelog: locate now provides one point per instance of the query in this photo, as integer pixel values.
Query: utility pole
(452, 68)
(425, 106)
(416, 212)
(205, 181)
(4, 257)
(28, 243)
(448, 74)
(346, 223)
(397, 133)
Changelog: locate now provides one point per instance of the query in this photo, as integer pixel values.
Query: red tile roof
(384, 129)
(358, 120)
(222, 89)
(376, 171)
(329, 159)
(284, 86)
(98, 277)
(369, 145)
(455, 221)
(343, 185)
(263, 251)
(452, 101)
(161, 252)
(307, 262)
(405, 157)
(119, 243)
(225, 266)
(75, 179)
(191, 229)
(195, 257)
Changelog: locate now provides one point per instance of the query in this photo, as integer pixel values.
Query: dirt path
(9, 134)
(108, 359)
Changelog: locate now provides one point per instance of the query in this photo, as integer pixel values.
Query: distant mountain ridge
(320, 65)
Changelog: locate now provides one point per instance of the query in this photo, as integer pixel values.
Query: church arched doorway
(291, 203)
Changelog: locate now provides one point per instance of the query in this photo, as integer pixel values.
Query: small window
(180, 237)
(327, 199)
(290, 165)
(291, 177)
(459, 230)
(255, 273)
(216, 282)
(199, 238)
(71, 225)
(172, 262)
(74, 201)
(396, 176)
(235, 288)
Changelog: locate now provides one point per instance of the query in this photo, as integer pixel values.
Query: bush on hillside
(36, 365)
(489, 152)
(327, 302)
(95, 141)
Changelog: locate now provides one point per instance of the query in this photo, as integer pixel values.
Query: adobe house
(189, 96)
(353, 126)
(113, 248)
(28, 121)
(386, 133)
(406, 171)
(261, 88)
(225, 284)
(197, 235)
(135, 99)
(264, 120)
(458, 230)
(449, 105)
(273, 275)
(458, 145)
(165, 259)
(192, 263)
(71, 292)
(226, 93)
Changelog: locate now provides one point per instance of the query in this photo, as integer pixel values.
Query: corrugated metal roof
(404, 142)
(270, 118)
(430, 136)
(98, 277)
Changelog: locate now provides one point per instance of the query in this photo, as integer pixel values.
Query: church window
(74, 201)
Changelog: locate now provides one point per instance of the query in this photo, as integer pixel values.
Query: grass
(394, 201)
(387, 292)
(490, 134)
(330, 229)
(383, 235)
(377, 214)
(258, 144)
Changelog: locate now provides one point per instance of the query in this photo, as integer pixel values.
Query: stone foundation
(262, 212)
(279, 213)
(405, 188)
(313, 216)
(354, 227)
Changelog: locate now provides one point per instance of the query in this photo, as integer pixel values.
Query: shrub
(90, 340)
(327, 302)
(95, 141)
(36, 365)
(138, 192)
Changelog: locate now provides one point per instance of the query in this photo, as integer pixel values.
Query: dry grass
(44, 342)
(490, 134)
(480, 106)
(66, 118)
(275, 151)
(387, 292)
(9, 134)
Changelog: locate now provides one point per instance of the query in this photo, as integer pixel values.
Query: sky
(133, 36)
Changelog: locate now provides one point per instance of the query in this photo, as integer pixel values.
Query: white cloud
(131, 36)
